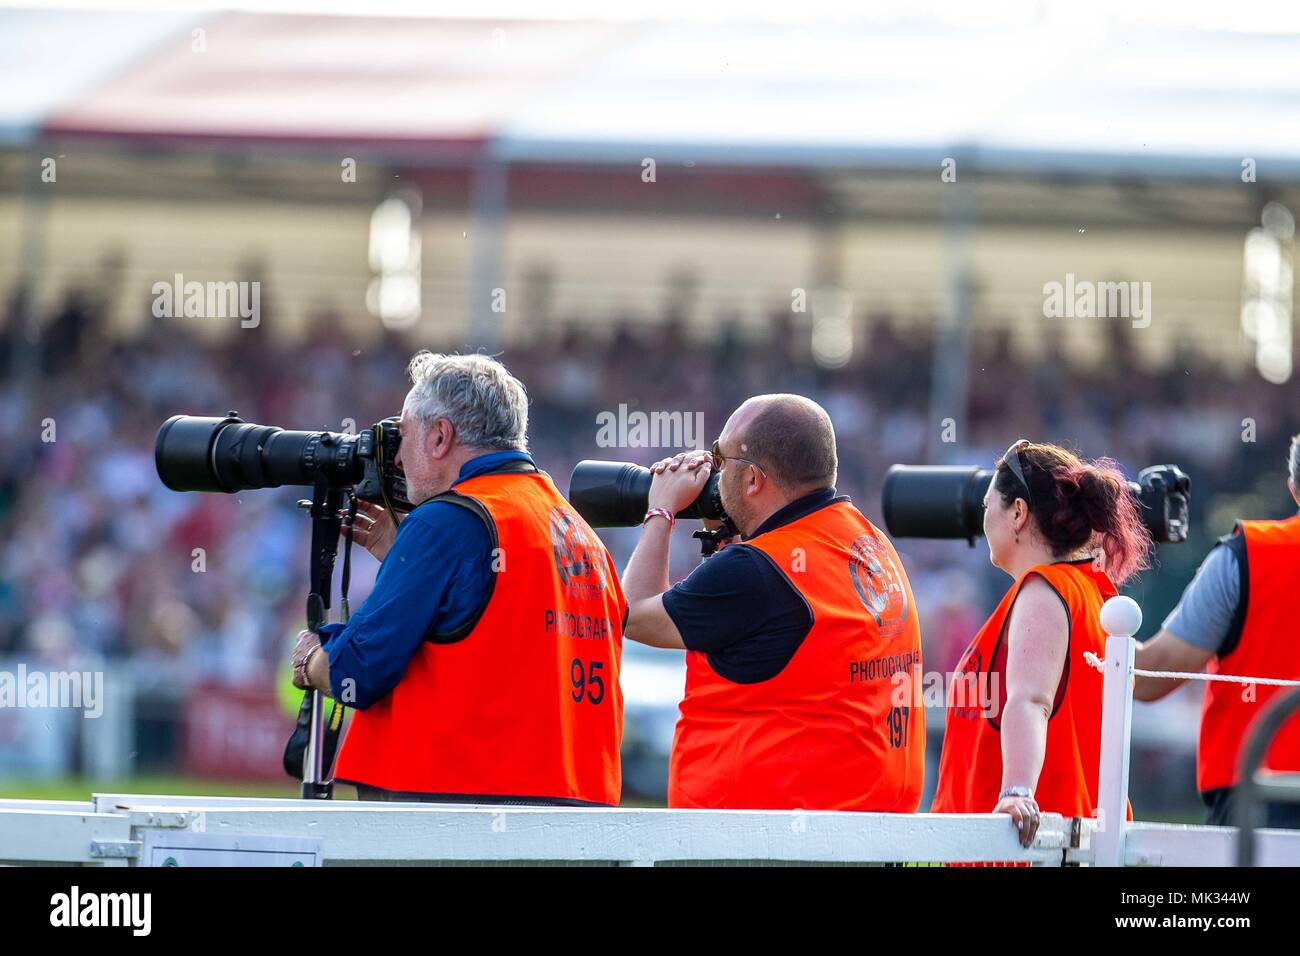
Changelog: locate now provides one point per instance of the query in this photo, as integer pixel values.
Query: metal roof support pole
(950, 379)
(25, 351)
(488, 301)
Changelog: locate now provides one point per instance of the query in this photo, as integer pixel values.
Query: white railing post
(1120, 618)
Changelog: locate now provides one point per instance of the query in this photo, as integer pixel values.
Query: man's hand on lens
(308, 647)
(373, 528)
(679, 480)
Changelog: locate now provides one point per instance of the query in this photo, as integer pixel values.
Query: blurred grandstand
(512, 156)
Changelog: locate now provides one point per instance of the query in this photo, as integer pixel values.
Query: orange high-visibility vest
(527, 704)
(1269, 646)
(970, 766)
(822, 734)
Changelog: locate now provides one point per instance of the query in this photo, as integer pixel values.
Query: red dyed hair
(1077, 504)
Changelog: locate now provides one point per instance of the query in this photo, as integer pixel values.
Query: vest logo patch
(580, 565)
(879, 583)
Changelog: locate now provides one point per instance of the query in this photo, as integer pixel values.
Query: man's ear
(441, 438)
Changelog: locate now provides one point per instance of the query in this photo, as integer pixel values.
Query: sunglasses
(719, 458)
(1012, 460)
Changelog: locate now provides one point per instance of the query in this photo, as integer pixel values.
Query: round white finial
(1121, 616)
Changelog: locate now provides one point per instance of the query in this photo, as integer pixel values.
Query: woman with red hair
(1068, 532)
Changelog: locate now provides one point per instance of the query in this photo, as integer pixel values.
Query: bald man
(794, 634)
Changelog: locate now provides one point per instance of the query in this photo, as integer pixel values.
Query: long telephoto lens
(940, 501)
(935, 501)
(194, 453)
(616, 494)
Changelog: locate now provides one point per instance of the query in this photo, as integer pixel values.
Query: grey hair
(1293, 461)
(486, 405)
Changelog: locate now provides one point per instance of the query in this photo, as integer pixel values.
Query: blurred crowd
(98, 558)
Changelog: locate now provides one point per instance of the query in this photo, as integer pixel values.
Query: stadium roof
(1144, 100)
(49, 59)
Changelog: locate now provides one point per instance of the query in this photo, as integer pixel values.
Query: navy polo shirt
(740, 610)
(436, 577)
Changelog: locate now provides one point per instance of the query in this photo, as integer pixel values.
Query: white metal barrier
(366, 833)
(118, 829)
(135, 829)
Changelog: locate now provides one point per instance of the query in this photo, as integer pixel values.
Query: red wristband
(660, 511)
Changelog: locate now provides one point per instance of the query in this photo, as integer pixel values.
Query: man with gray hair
(793, 635)
(484, 665)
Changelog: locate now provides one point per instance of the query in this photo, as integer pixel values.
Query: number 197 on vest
(898, 719)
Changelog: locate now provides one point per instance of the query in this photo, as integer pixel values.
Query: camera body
(196, 453)
(944, 501)
(382, 481)
(1165, 492)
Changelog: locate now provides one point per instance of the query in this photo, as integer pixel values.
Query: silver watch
(1025, 792)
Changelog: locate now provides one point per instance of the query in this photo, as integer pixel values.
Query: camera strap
(296, 748)
(345, 578)
(337, 710)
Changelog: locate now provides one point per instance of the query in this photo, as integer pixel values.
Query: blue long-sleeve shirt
(437, 576)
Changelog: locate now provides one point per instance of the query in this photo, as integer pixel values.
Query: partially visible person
(1023, 731)
(1238, 617)
(792, 634)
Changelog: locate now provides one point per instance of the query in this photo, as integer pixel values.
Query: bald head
(791, 438)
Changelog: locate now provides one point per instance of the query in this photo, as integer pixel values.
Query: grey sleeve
(1205, 611)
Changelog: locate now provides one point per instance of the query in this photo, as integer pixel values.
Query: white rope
(1097, 662)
